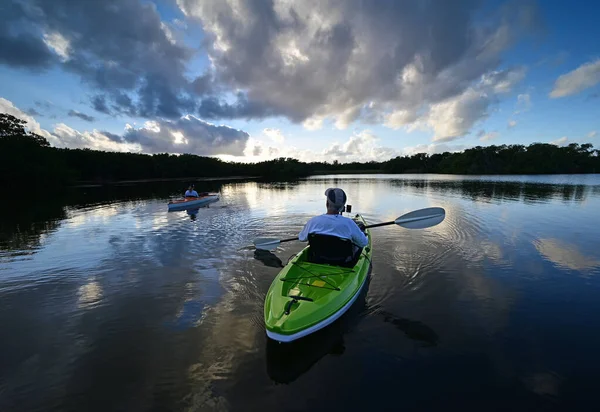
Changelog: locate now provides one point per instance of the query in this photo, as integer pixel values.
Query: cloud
(32, 112)
(82, 116)
(96, 140)
(57, 43)
(6, 106)
(512, 123)
(46, 104)
(347, 61)
(486, 137)
(591, 134)
(187, 134)
(308, 61)
(21, 43)
(584, 77)
(99, 104)
(433, 148)
(360, 147)
(560, 142)
(399, 118)
(523, 103)
(136, 53)
(274, 134)
(454, 117)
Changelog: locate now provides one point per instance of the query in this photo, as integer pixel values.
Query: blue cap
(336, 197)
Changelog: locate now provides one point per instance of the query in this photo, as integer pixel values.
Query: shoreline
(165, 179)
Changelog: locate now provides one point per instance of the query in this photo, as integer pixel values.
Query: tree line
(27, 158)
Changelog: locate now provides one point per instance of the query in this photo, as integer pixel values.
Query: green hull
(306, 297)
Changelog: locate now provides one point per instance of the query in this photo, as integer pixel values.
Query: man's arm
(358, 237)
(303, 236)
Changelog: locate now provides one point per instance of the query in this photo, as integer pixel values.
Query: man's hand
(361, 226)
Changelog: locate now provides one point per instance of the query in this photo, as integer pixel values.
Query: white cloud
(274, 134)
(523, 103)
(95, 140)
(584, 77)
(486, 137)
(591, 134)
(400, 118)
(363, 146)
(6, 106)
(512, 123)
(560, 142)
(313, 123)
(454, 118)
(433, 148)
(58, 43)
(501, 82)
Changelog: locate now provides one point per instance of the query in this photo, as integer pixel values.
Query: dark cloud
(82, 116)
(214, 108)
(188, 135)
(24, 50)
(116, 46)
(122, 103)
(113, 137)
(204, 84)
(336, 58)
(306, 60)
(46, 105)
(32, 112)
(99, 104)
(21, 44)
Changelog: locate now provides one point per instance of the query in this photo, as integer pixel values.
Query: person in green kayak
(191, 192)
(332, 225)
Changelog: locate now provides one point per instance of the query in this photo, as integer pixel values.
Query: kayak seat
(331, 250)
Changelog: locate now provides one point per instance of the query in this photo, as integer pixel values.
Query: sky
(317, 80)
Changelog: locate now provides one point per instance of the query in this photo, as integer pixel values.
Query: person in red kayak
(191, 192)
(333, 225)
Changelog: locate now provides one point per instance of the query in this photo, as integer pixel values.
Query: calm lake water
(108, 302)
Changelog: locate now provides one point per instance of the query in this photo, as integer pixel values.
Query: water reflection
(482, 191)
(192, 213)
(414, 330)
(120, 305)
(268, 258)
(287, 362)
(565, 255)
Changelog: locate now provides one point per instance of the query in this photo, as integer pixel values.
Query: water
(108, 302)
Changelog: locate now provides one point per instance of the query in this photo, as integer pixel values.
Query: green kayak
(306, 297)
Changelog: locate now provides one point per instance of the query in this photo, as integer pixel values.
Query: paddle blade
(422, 218)
(265, 243)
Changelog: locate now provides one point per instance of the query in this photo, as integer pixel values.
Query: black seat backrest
(329, 249)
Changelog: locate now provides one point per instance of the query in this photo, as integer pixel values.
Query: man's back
(335, 225)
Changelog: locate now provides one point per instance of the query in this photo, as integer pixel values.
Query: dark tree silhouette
(27, 158)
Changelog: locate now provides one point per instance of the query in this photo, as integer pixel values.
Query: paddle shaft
(366, 227)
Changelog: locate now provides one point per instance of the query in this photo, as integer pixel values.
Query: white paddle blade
(266, 243)
(422, 218)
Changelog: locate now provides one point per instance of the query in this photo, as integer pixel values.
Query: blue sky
(348, 80)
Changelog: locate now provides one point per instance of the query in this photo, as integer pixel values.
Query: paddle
(418, 219)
